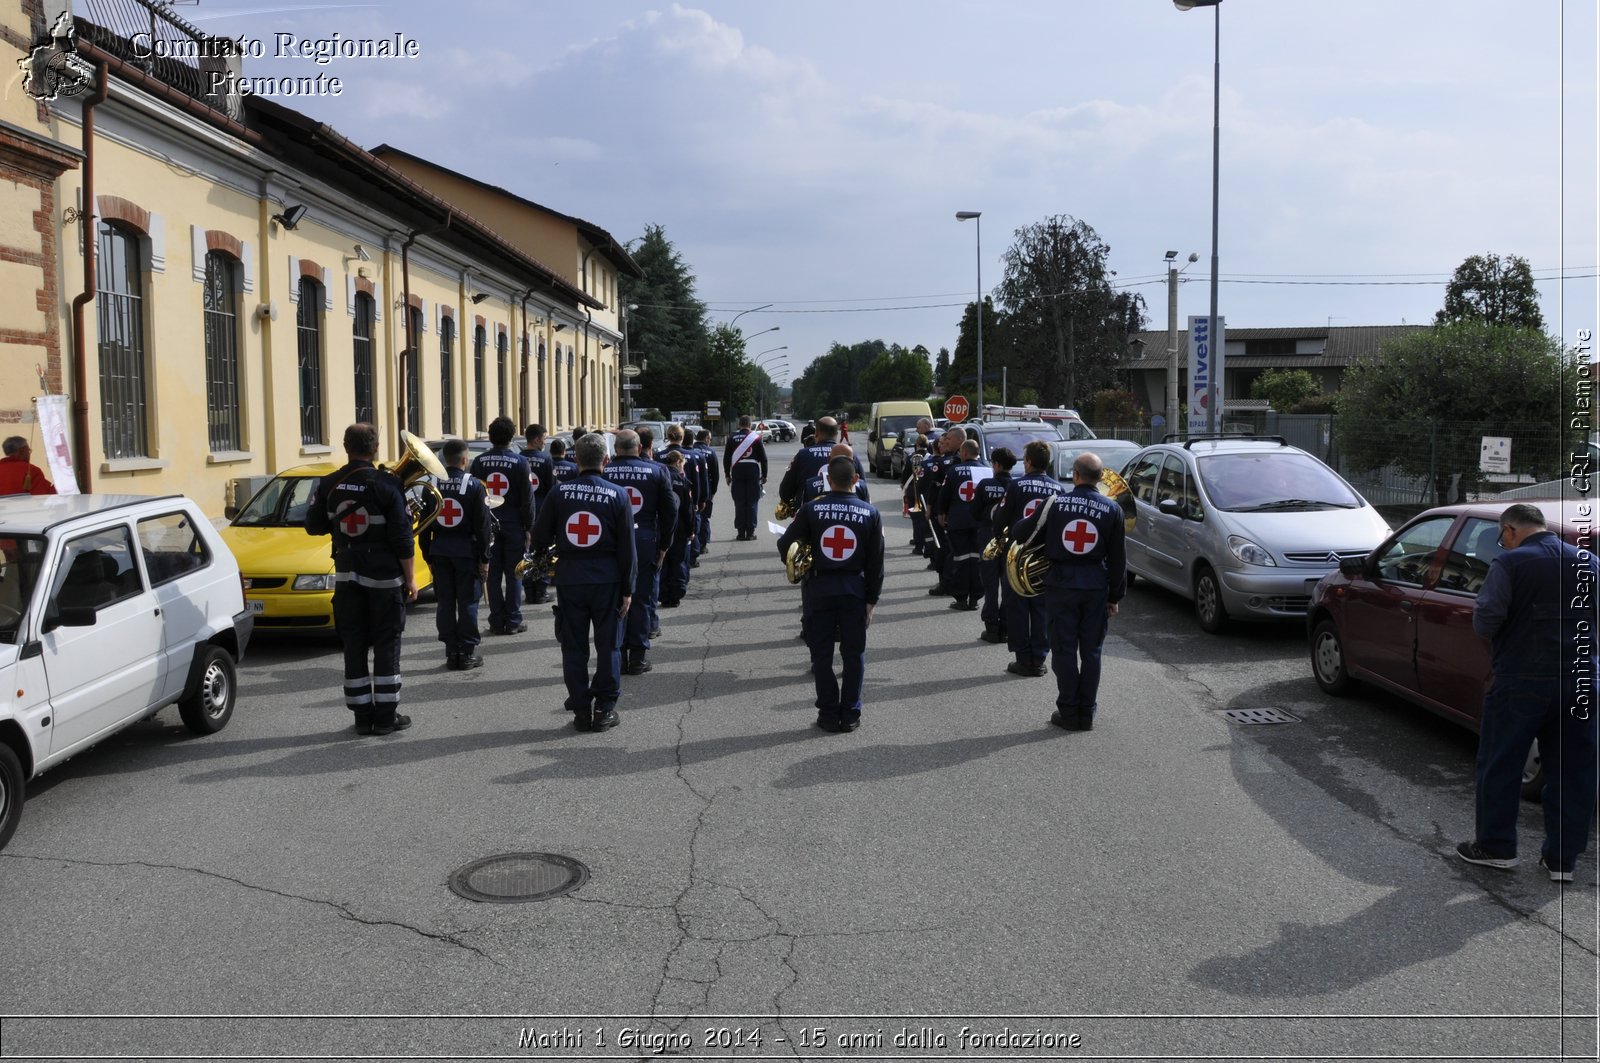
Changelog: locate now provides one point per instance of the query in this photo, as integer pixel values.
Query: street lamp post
(1214, 386)
(977, 218)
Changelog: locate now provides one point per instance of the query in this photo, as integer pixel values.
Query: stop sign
(955, 408)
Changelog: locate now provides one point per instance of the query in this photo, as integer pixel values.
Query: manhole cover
(1260, 716)
(513, 878)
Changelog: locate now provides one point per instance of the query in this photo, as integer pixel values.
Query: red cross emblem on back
(1079, 537)
(497, 483)
(635, 499)
(450, 513)
(1031, 508)
(582, 528)
(353, 521)
(533, 480)
(839, 542)
(968, 490)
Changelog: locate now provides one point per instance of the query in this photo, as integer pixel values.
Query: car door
(1142, 476)
(1453, 669)
(176, 564)
(1166, 535)
(102, 673)
(1381, 606)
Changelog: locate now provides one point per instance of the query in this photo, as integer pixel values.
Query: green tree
(834, 380)
(1494, 291)
(897, 374)
(941, 370)
(962, 376)
(1285, 388)
(1114, 408)
(1069, 327)
(669, 329)
(1424, 401)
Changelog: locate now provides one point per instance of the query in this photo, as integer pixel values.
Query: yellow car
(288, 575)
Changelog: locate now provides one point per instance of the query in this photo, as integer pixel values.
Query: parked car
(1400, 618)
(288, 574)
(784, 431)
(1116, 454)
(111, 608)
(474, 447)
(1244, 527)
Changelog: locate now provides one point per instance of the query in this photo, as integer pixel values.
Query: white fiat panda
(111, 607)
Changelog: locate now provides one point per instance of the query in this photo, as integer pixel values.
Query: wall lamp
(478, 297)
(291, 216)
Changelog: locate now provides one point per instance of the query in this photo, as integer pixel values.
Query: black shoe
(966, 605)
(931, 566)
(453, 662)
(655, 633)
(1556, 875)
(604, 720)
(515, 630)
(637, 666)
(540, 599)
(363, 727)
(1472, 854)
(1071, 723)
(1030, 671)
(695, 563)
(669, 605)
(400, 723)
(992, 634)
(583, 718)
(834, 725)
(469, 661)
(937, 590)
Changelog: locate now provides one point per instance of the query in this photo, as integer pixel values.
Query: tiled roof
(1341, 345)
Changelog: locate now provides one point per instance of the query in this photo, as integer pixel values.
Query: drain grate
(1260, 716)
(516, 878)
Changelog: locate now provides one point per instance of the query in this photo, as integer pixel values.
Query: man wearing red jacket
(18, 476)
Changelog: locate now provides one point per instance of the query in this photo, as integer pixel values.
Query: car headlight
(314, 583)
(1249, 552)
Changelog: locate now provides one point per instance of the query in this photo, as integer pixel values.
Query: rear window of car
(1016, 438)
(1273, 480)
(896, 426)
(172, 547)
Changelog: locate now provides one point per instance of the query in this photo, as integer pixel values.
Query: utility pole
(1172, 343)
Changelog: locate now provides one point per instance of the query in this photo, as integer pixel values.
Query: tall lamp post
(782, 359)
(977, 217)
(733, 360)
(1214, 386)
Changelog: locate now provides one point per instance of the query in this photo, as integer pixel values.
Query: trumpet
(537, 565)
(413, 470)
(797, 562)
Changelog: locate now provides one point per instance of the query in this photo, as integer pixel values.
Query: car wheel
(1327, 659)
(1208, 607)
(1532, 776)
(11, 790)
(208, 709)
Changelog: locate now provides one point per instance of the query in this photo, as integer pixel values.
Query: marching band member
(1027, 631)
(744, 466)
(456, 547)
(655, 517)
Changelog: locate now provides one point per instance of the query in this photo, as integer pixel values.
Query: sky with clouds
(812, 153)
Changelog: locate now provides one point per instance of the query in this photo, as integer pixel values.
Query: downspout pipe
(411, 336)
(527, 359)
(87, 218)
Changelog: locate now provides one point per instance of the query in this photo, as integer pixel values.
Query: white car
(111, 607)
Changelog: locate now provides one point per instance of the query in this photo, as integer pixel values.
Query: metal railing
(149, 35)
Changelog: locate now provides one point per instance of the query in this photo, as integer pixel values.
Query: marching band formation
(620, 535)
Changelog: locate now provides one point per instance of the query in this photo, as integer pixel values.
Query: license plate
(257, 608)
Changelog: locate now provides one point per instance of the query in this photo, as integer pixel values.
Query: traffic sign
(632, 387)
(713, 405)
(631, 370)
(955, 408)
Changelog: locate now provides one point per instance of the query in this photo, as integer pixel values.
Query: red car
(1401, 617)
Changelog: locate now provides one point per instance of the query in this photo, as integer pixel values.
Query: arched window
(502, 349)
(123, 417)
(221, 313)
(365, 361)
(308, 329)
(480, 339)
(447, 398)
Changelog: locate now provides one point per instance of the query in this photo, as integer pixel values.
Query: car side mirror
(230, 511)
(1354, 567)
(1170, 505)
(69, 616)
(872, 437)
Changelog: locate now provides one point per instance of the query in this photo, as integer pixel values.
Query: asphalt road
(1170, 885)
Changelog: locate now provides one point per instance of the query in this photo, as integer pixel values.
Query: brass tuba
(414, 470)
(537, 565)
(797, 562)
(1114, 487)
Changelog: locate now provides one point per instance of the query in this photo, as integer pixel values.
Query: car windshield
(896, 426)
(1275, 480)
(280, 504)
(21, 557)
(1014, 439)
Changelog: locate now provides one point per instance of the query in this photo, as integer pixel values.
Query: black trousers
(370, 620)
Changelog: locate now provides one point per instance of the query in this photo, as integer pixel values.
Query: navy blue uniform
(810, 461)
(846, 539)
(1027, 619)
(588, 522)
(958, 507)
(456, 546)
(818, 486)
(910, 494)
(364, 509)
(565, 469)
(504, 473)
(542, 479)
(931, 485)
(992, 492)
(694, 472)
(655, 515)
(745, 475)
(675, 569)
(708, 462)
(1083, 541)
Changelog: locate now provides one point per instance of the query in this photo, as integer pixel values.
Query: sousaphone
(418, 469)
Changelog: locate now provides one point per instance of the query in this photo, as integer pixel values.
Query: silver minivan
(1244, 527)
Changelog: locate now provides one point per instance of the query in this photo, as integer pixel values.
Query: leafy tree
(669, 329)
(1424, 401)
(1493, 290)
(1285, 388)
(1068, 326)
(834, 380)
(1114, 408)
(897, 374)
(962, 376)
(941, 370)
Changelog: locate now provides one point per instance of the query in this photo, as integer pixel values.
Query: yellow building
(255, 281)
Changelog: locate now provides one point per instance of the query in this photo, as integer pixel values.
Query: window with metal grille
(413, 371)
(502, 350)
(120, 308)
(221, 301)
(447, 341)
(308, 322)
(365, 364)
(480, 339)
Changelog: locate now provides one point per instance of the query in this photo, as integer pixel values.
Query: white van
(890, 420)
